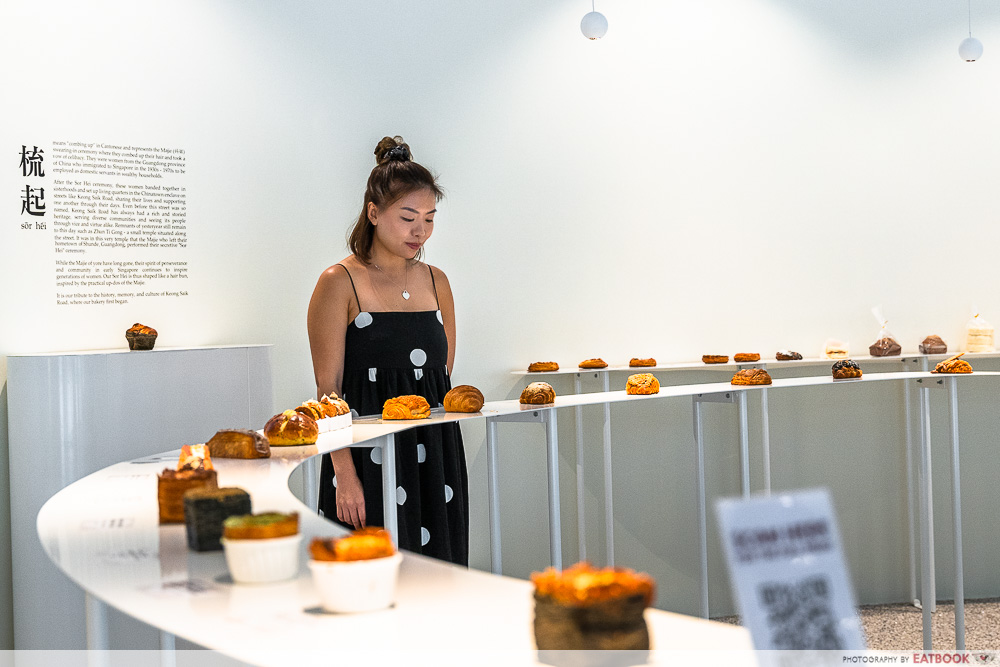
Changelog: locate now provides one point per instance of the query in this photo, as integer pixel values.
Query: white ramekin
(262, 561)
(357, 585)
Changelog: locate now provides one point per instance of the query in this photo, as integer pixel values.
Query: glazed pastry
(593, 363)
(642, 384)
(365, 544)
(335, 406)
(406, 407)
(953, 365)
(204, 511)
(140, 337)
(743, 357)
(260, 526)
(312, 408)
(787, 355)
(715, 358)
(885, 347)
(641, 363)
(237, 443)
(463, 398)
(845, 369)
(749, 376)
(291, 428)
(933, 345)
(543, 367)
(538, 393)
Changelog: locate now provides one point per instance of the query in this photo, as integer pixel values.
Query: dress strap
(434, 285)
(360, 309)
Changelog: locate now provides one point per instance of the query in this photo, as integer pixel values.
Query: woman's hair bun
(392, 148)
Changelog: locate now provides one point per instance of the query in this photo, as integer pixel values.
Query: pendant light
(593, 25)
(971, 49)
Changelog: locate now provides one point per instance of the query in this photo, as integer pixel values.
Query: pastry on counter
(543, 367)
(260, 526)
(583, 608)
(313, 408)
(463, 398)
(835, 349)
(744, 357)
(846, 369)
(335, 406)
(235, 443)
(933, 345)
(593, 363)
(715, 358)
(355, 573)
(291, 428)
(538, 393)
(635, 362)
(204, 511)
(262, 548)
(787, 355)
(953, 365)
(885, 347)
(642, 384)
(364, 544)
(749, 376)
(406, 407)
(140, 337)
(194, 471)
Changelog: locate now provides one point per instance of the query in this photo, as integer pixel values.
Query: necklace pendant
(406, 295)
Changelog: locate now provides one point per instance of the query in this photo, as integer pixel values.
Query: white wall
(737, 174)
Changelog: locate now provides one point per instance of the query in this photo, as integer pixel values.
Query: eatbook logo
(985, 658)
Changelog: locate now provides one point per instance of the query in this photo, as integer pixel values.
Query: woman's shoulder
(438, 274)
(337, 277)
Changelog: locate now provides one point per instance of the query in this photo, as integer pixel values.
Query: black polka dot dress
(390, 354)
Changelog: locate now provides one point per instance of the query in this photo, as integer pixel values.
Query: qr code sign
(799, 614)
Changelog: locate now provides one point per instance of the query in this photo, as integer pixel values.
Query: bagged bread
(885, 344)
(978, 334)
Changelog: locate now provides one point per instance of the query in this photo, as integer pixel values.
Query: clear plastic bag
(978, 334)
(885, 344)
(835, 349)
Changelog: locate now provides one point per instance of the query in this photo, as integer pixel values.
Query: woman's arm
(329, 315)
(447, 301)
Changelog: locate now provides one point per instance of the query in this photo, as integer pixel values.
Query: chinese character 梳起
(31, 161)
(33, 201)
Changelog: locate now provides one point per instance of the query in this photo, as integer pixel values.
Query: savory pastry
(635, 362)
(744, 357)
(979, 339)
(463, 398)
(406, 407)
(715, 358)
(787, 355)
(538, 393)
(593, 363)
(953, 365)
(312, 408)
(335, 406)
(642, 384)
(543, 367)
(204, 511)
(235, 443)
(584, 608)
(260, 526)
(195, 456)
(291, 428)
(845, 369)
(194, 471)
(933, 345)
(140, 337)
(365, 544)
(885, 347)
(749, 376)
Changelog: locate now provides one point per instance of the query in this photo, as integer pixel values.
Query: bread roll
(463, 398)
(237, 443)
(312, 408)
(845, 369)
(538, 393)
(335, 405)
(406, 407)
(291, 428)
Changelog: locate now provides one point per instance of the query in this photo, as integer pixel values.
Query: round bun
(845, 369)
(642, 384)
(538, 393)
(543, 367)
(406, 407)
(392, 148)
(464, 398)
(749, 376)
(715, 358)
(743, 357)
(641, 363)
(291, 428)
(593, 363)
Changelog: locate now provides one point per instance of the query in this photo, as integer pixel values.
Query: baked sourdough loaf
(593, 363)
(235, 443)
(845, 369)
(787, 355)
(953, 365)
(260, 526)
(635, 362)
(140, 337)
(642, 384)
(406, 407)
(543, 367)
(291, 428)
(364, 544)
(933, 345)
(744, 357)
(463, 398)
(715, 358)
(538, 393)
(749, 376)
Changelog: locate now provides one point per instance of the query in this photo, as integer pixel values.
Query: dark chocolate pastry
(845, 368)
(787, 355)
(933, 345)
(885, 347)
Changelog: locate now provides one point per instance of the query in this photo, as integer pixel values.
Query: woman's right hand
(350, 500)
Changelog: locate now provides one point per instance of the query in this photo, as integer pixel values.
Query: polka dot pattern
(372, 374)
(418, 357)
(400, 495)
(363, 320)
(425, 536)
(440, 319)
(418, 373)
(335, 481)
(449, 493)
(421, 453)
(377, 456)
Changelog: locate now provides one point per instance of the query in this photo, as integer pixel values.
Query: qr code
(799, 616)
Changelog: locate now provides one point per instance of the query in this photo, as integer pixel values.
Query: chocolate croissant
(464, 398)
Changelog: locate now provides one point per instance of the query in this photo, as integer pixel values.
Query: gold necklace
(406, 272)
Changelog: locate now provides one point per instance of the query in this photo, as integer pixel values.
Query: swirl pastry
(715, 358)
(291, 428)
(642, 384)
(635, 362)
(744, 357)
(749, 376)
(845, 369)
(406, 407)
(787, 355)
(538, 393)
(543, 367)
(953, 365)
(463, 398)
(593, 363)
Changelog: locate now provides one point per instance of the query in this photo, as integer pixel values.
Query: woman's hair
(395, 175)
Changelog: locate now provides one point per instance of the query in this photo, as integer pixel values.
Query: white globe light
(970, 49)
(594, 25)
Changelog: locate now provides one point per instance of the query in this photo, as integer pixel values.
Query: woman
(382, 324)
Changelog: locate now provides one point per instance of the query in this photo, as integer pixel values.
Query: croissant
(406, 407)
(538, 393)
(463, 398)
(642, 384)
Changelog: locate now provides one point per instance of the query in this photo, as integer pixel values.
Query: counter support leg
(555, 527)
(493, 484)
(910, 490)
(310, 482)
(699, 446)
(765, 421)
(97, 624)
(609, 513)
(741, 407)
(168, 650)
(581, 523)
(927, 592)
(956, 505)
(389, 486)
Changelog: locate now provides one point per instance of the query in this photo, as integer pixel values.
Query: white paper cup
(262, 561)
(357, 585)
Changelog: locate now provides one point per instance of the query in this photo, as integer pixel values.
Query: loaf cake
(194, 471)
(204, 511)
(885, 347)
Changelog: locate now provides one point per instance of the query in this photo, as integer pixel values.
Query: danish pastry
(845, 369)
(642, 384)
(291, 428)
(953, 365)
(543, 367)
(463, 398)
(715, 358)
(538, 393)
(641, 363)
(749, 376)
(406, 407)
(593, 363)
(743, 357)
(787, 355)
